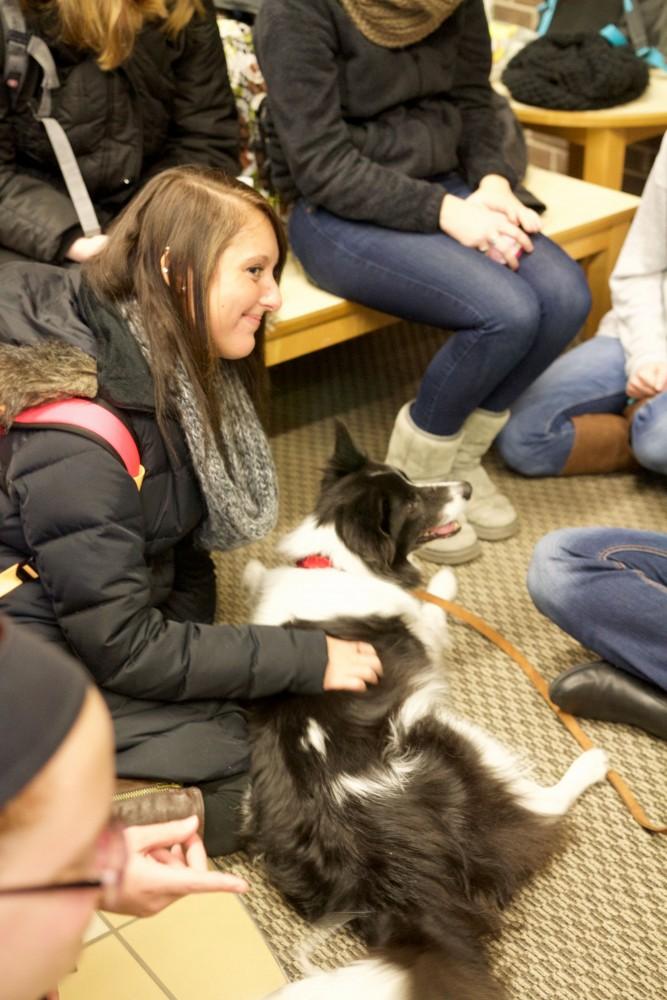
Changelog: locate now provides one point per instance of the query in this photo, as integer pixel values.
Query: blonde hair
(109, 27)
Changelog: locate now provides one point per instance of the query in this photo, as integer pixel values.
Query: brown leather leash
(538, 682)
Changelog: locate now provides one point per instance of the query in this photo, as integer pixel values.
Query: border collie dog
(385, 808)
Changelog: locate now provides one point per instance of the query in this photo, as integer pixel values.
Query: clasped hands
(491, 220)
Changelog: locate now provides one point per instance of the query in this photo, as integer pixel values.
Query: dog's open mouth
(441, 531)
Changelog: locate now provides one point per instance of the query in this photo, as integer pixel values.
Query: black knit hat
(41, 694)
(575, 72)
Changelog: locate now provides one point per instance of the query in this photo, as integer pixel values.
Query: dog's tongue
(445, 529)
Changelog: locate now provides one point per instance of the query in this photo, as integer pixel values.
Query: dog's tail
(406, 974)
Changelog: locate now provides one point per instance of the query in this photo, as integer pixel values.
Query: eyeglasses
(110, 860)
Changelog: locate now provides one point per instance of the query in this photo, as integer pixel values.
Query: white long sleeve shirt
(638, 317)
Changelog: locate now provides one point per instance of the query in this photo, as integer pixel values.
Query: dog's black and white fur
(386, 805)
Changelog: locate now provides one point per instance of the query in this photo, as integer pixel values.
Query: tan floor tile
(206, 948)
(95, 929)
(116, 919)
(106, 971)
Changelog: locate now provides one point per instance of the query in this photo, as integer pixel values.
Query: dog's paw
(253, 575)
(443, 584)
(592, 766)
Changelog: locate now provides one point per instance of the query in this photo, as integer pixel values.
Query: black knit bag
(575, 72)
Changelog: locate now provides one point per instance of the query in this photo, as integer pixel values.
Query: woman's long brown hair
(191, 214)
(109, 27)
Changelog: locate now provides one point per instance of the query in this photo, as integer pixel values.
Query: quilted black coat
(121, 584)
(169, 104)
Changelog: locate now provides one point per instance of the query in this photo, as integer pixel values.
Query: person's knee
(649, 440)
(564, 288)
(524, 450)
(514, 321)
(651, 454)
(549, 572)
(520, 316)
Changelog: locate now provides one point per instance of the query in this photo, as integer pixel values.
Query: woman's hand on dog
(352, 666)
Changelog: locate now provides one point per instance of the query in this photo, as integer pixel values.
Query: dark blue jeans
(607, 587)
(508, 326)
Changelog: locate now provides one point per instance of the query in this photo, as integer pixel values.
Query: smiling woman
(244, 288)
(165, 328)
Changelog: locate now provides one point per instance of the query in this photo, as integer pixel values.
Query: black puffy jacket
(170, 103)
(121, 584)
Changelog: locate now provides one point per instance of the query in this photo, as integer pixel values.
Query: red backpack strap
(84, 414)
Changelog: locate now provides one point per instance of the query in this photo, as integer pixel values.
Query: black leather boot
(597, 690)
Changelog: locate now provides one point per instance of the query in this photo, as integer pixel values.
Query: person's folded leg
(648, 433)
(607, 587)
(545, 427)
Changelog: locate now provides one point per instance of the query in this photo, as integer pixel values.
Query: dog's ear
(393, 515)
(346, 457)
(386, 523)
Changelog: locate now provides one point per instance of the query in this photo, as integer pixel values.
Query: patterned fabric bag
(249, 91)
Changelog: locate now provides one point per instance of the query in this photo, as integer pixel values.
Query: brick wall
(552, 153)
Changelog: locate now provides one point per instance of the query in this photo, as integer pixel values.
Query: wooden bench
(588, 221)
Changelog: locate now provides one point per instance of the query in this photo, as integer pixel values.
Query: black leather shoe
(596, 690)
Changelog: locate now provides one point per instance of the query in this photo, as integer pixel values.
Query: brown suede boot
(601, 444)
(137, 802)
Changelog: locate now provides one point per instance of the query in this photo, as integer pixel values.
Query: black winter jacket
(169, 104)
(359, 129)
(121, 584)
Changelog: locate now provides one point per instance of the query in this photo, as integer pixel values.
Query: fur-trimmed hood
(33, 375)
(57, 340)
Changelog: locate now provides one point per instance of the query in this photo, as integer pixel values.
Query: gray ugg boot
(489, 512)
(423, 457)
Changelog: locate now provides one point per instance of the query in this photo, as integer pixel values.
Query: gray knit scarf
(240, 491)
(395, 23)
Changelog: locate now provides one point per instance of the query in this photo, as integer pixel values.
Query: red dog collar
(315, 562)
